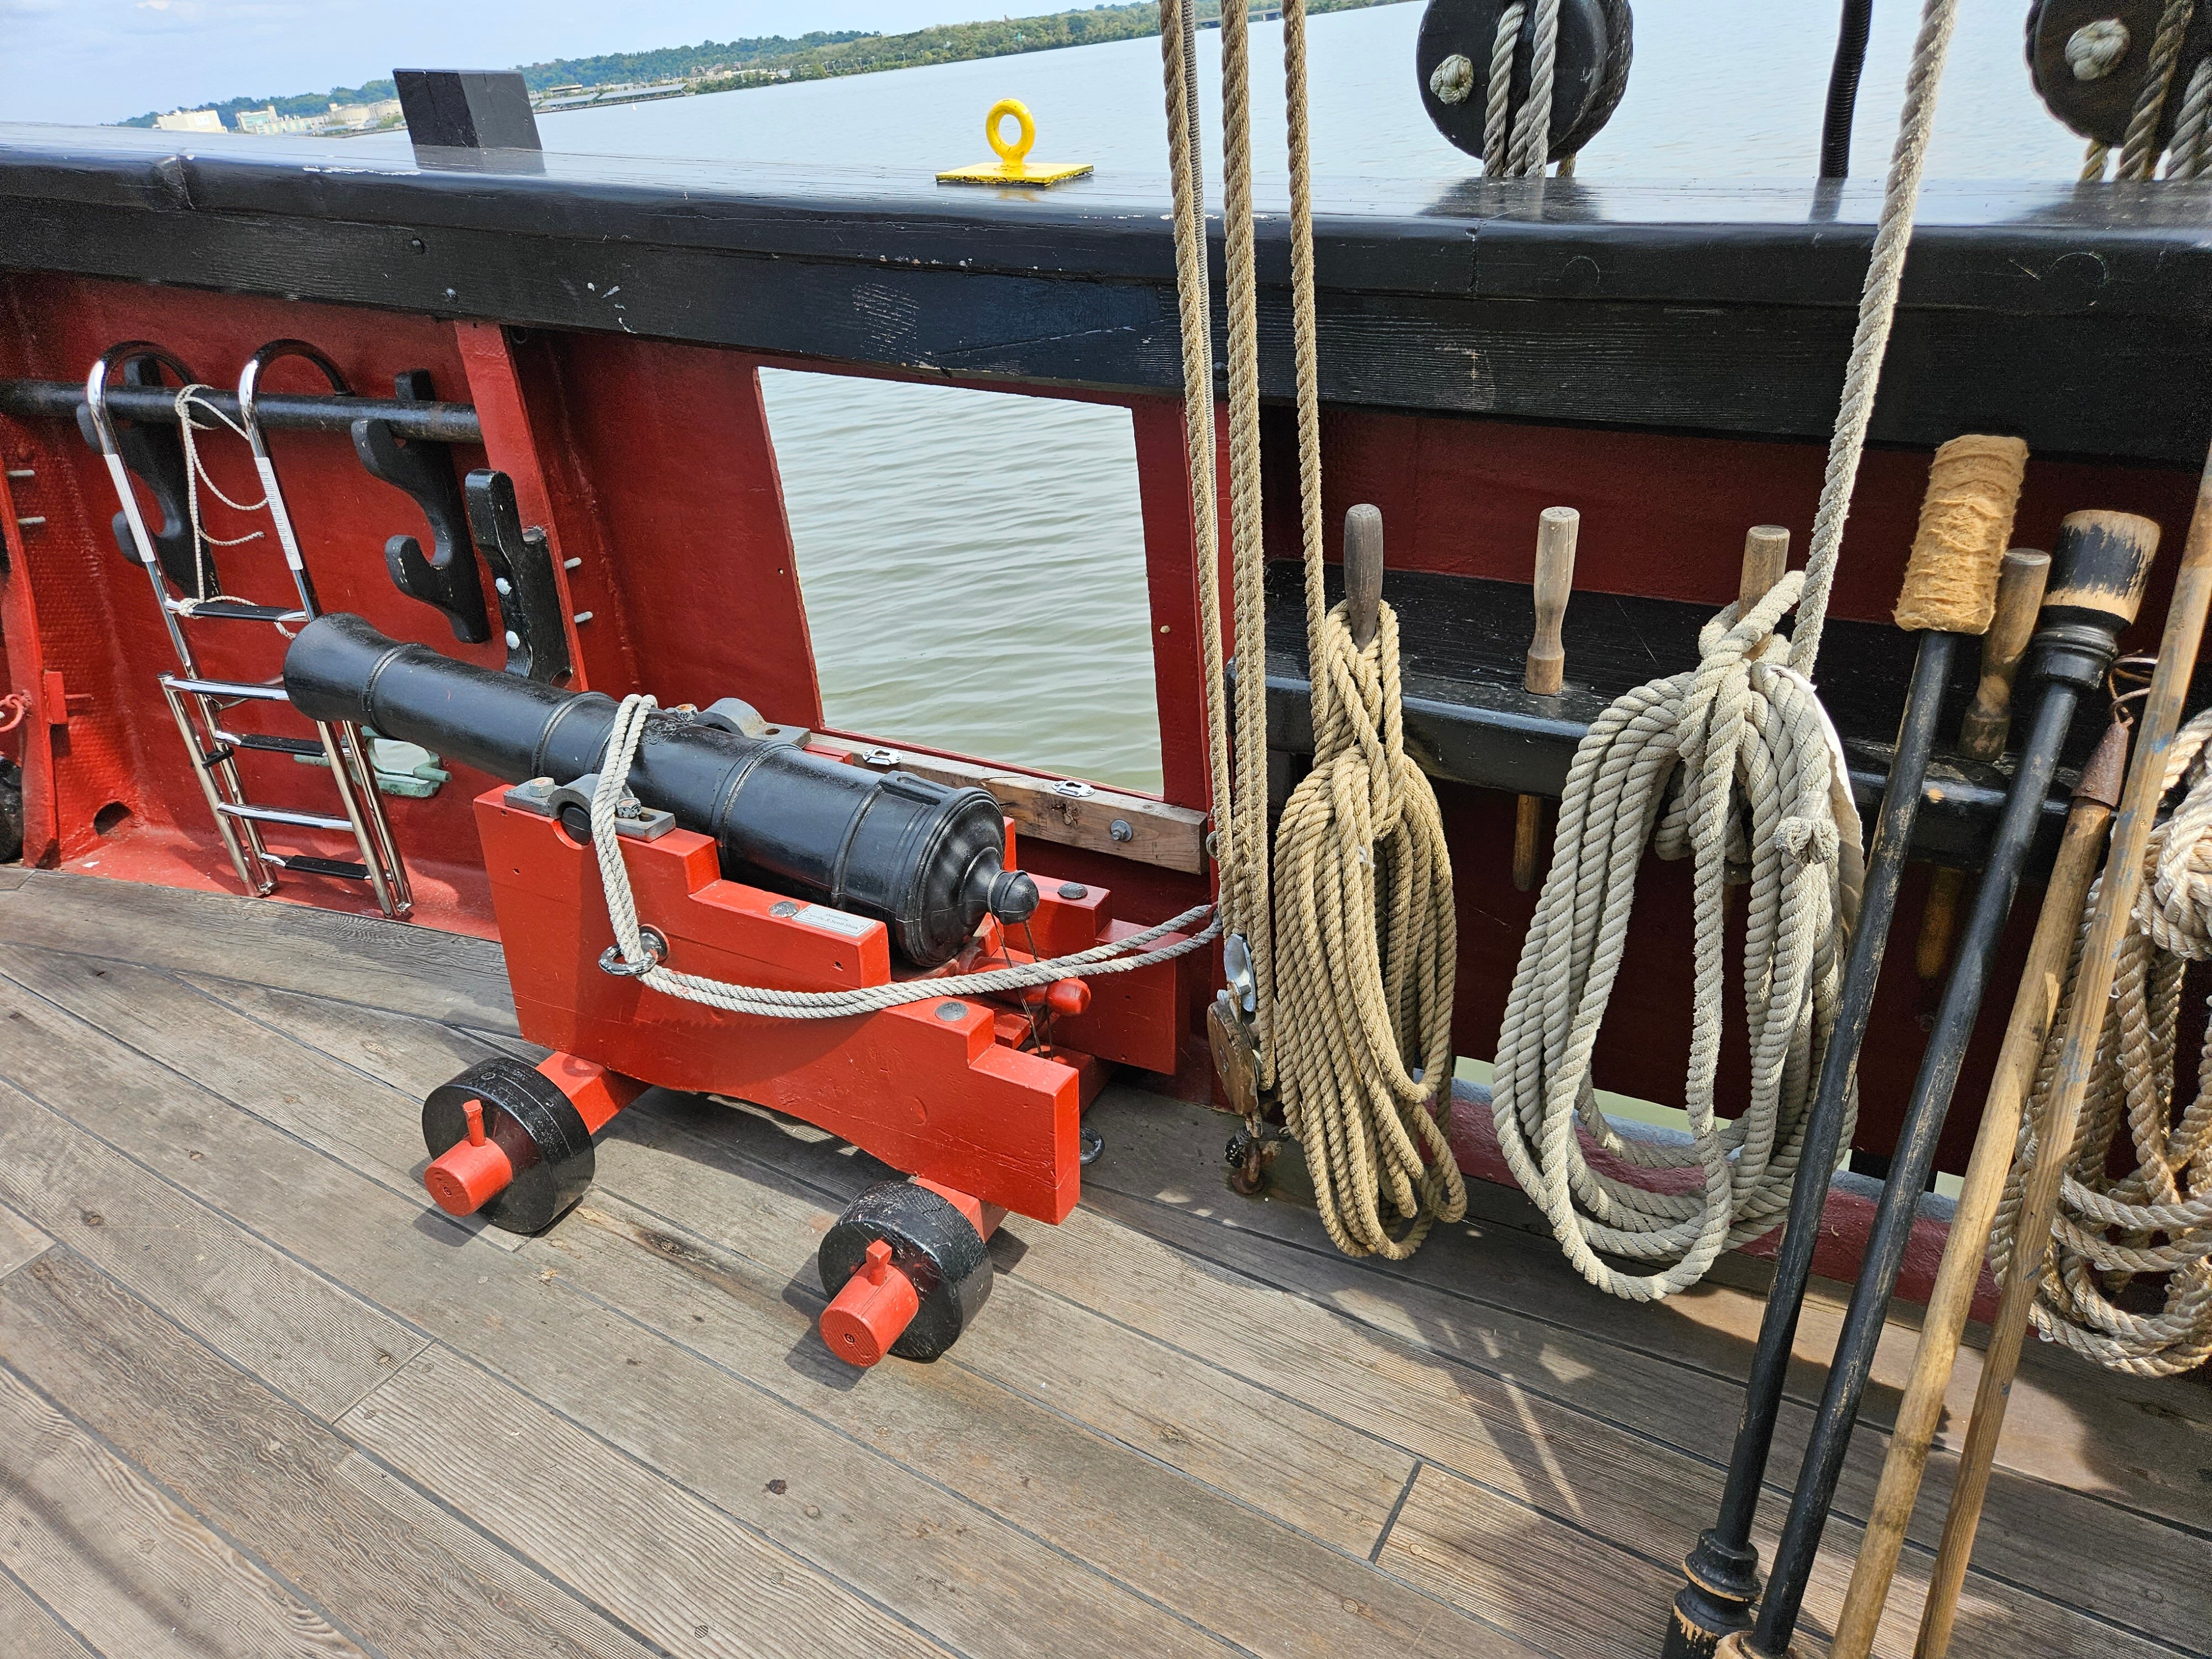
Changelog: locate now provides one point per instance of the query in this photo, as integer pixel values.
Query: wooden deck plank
(1500, 1449)
(366, 959)
(1272, 1454)
(1260, 1584)
(129, 1569)
(712, 1432)
(1164, 1150)
(315, 1342)
(682, 1572)
(28, 1630)
(1523, 1412)
(12, 875)
(21, 1244)
(264, 1473)
(2070, 1548)
(299, 1089)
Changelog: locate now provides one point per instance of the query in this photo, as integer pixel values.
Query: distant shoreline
(744, 65)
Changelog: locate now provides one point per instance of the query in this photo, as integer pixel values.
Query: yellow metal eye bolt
(1012, 168)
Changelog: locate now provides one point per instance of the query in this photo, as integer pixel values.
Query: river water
(973, 562)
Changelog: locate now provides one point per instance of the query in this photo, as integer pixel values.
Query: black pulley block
(536, 1126)
(1588, 73)
(932, 1243)
(2089, 59)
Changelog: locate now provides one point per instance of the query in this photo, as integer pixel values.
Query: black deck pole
(2098, 571)
(1844, 88)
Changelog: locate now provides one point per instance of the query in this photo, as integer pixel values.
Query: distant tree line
(727, 65)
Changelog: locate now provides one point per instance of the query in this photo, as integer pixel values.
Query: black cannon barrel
(924, 858)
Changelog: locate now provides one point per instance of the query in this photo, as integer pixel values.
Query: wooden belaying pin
(1766, 557)
(1982, 733)
(1546, 669)
(1363, 572)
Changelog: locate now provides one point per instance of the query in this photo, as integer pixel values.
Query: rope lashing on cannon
(1735, 760)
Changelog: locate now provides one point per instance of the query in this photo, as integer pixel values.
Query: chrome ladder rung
(228, 609)
(274, 692)
(281, 815)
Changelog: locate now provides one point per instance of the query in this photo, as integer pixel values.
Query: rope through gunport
(1733, 762)
(1117, 956)
(2157, 1218)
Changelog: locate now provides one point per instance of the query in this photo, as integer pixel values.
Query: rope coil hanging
(1357, 938)
(2157, 1218)
(1735, 760)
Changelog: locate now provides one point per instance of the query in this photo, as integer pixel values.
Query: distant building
(190, 120)
(353, 118)
(268, 124)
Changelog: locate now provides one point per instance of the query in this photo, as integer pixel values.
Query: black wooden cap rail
(436, 422)
(1462, 642)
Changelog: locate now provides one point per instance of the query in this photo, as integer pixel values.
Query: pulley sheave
(1588, 75)
(2089, 73)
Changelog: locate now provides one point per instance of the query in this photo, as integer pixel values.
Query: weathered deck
(256, 1398)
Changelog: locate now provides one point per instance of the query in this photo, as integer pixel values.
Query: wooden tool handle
(2021, 582)
(1556, 530)
(2101, 563)
(1966, 525)
(1363, 572)
(1766, 556)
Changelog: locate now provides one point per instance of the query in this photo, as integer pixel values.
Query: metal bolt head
(783, 908)
(1073, 889)
(951, 1011)
(1120, 830)
(500, 583)
(513, 641)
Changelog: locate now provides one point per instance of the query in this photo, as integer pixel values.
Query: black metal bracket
(522, 570)
(447, 579)
(152, 450)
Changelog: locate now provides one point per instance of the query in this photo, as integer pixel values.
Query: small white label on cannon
(836, 921)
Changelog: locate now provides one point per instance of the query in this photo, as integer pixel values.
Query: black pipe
(444, 423)
(2099, 567)
(1722, 1569)
(924, 858)
(1844, 88)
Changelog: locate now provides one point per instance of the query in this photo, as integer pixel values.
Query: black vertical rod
(1844, 88)
(1909, 1166)
(1723, 1567)
(2099, 564)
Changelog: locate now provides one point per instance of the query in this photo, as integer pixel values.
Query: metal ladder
(198, 703)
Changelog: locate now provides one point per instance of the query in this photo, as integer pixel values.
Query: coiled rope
(1118, 956)
(2109, 1227)
(1734, 761)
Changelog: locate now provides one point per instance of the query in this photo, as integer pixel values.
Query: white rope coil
(1758, 780)
(2157, 1218)
(1141, 950)
(1733, 761)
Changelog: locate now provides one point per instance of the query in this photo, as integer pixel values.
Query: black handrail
(448, 423)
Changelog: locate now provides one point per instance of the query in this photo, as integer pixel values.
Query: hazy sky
(106, 60)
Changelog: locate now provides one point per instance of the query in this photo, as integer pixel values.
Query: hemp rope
(1366, 944)
(1117, 956)
(195, 474)
(1733, 762)
(2139, 148)
(2107, 1227)
(1516, 143)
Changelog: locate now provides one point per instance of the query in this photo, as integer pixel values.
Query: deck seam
(245, 1551)
(42, 1605)
(1375, 1555)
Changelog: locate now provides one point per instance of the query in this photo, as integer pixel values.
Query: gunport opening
(973, 569)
